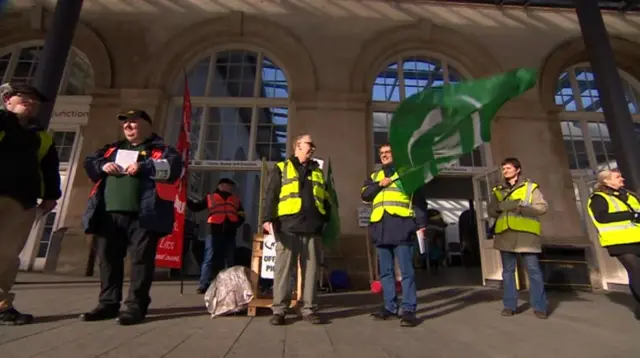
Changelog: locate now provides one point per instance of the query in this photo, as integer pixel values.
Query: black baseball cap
(134, 114)
(226, 181)
(25, 90)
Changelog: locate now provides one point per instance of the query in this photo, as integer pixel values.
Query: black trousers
(122, 231)
(631, 263)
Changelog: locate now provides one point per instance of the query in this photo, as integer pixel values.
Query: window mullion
(400, 78)
(577, 95)
(13, 63)
(202, 133)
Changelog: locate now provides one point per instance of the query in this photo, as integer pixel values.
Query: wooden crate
(260, 301)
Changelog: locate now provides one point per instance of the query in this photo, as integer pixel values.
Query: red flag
(169, 251)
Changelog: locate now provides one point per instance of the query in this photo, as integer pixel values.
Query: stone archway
(16, 29)
(464, 53)
(236, 30)
(573, 51)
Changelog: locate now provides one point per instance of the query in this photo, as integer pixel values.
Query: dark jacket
(20, 179)
(392, 229)
(600, 209)
(227, 228)
(50, 170)
(309, 220)
(155, 213)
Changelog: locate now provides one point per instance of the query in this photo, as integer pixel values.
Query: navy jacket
(19, 155)
(392, 229)
(155, 213)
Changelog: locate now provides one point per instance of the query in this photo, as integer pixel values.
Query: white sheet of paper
(126, 157)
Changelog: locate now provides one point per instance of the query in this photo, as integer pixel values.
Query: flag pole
(186, 178)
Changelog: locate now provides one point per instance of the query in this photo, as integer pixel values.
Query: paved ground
(462, 321)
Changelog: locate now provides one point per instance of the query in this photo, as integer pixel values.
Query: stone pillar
(101, 129)
(341, 129)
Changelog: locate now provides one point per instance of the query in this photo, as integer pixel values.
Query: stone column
(102, 129)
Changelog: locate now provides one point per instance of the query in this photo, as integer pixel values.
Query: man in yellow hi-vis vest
(296, 207)
(20, 186)
(517, 205)
(395, 219)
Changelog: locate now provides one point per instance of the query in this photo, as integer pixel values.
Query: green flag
(432, 129)
(331, 231)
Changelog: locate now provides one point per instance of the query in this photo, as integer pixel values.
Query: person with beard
(130, 208)
(517, 206)
(395, 219)
(615, 212)
(296, 207)
(31, 158)
(226, 215)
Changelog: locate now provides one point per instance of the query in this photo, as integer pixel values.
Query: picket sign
(262, 266)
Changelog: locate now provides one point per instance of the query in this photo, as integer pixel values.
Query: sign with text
(364, 213)
(268, 257)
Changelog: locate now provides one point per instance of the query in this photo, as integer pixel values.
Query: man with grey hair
(33, 160)
(296, 207)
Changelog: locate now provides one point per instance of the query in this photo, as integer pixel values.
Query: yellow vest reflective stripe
(516, 222)
(619, 232)
(46, 141)
(290, 201)
(390, 199)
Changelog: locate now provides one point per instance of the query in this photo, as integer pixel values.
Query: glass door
(489, 257)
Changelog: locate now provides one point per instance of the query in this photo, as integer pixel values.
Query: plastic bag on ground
(230, 292)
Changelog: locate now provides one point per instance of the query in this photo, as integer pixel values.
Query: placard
(364, 213)
(268, 257)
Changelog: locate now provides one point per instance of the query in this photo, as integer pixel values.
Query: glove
(509, 205)
(636, 218)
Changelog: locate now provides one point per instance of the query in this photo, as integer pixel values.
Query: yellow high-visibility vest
(46, 141)
(290, 200)
(513, 221)
(390, 199)
(619, 232)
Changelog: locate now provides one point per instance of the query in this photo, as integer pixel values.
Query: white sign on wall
(71, 110)
(364, 213)
(268, 257)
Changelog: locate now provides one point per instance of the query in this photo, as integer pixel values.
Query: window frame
(587, 117)
(390, 106)
(15, 50)
(254, 103)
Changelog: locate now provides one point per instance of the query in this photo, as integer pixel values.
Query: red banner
(169, 251)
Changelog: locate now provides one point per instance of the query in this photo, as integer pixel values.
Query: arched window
(18, 63)
(404, 77)
(586, 136)
(240, 104)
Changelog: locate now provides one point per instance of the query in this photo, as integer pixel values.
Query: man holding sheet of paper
(130, 207)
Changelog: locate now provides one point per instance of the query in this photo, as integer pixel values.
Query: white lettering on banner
(166, 257)
(364, 213)
(179, 205)
(268, 257)
(166, 244)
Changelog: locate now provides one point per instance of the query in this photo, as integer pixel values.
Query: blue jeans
(219, 253)
(404, 253)
(537, 296)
